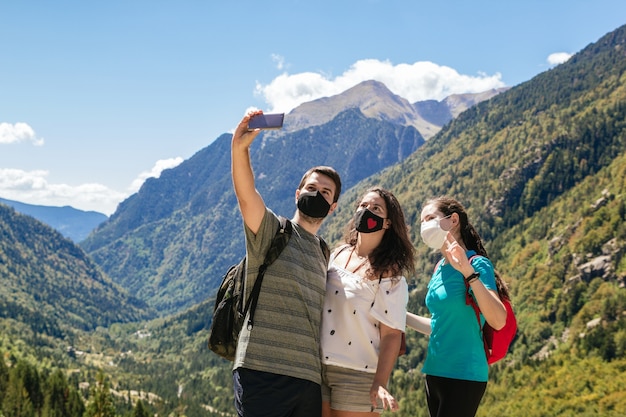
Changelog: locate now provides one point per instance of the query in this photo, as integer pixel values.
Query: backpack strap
(276, 247)
(470, 300)
(437, 264)
(325, 249)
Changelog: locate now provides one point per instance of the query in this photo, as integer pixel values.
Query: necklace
(365, 260)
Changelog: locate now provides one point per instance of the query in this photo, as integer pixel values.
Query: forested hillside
(49, 283)
(541, 169)
(51, 296)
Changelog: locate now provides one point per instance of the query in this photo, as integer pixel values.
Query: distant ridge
(72, 223)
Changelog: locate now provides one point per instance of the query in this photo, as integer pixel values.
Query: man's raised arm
(250, 201)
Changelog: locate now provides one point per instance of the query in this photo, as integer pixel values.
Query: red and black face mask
(367, 222)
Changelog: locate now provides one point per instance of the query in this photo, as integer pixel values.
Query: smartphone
(266, 121)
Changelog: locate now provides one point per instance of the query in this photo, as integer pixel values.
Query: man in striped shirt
(277, 368)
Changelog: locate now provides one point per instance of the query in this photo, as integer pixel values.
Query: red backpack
(496, 342)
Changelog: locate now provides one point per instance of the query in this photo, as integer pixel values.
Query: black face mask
(367, 222)
(313, 204)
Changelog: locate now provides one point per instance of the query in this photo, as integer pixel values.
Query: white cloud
(155, 172)
(18, 132)
(558, 58)
(279, 61)
(414, 82)
(32, 187)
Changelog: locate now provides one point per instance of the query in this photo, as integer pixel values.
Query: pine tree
(58, 396)
(75, 404)
(101, 402)
(139, 410)
(4, 378)
(24, 397)
(17, 402)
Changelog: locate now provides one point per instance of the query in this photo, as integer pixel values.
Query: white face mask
(432, 233)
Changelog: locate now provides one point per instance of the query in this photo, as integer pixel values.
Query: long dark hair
(395, 253)
(471, 238)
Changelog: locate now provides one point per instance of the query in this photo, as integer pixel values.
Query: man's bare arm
(250, 201)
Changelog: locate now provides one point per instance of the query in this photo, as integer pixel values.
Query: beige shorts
(347, 389)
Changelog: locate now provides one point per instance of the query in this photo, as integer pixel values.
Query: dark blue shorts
(263, 394)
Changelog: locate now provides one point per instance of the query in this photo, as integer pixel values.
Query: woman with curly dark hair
(364, 313)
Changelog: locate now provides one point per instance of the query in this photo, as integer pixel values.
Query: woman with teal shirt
(456, 365)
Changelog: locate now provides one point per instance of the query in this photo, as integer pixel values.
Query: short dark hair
(329, 172)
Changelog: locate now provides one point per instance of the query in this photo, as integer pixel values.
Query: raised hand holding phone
(243, 136)
(266, 121)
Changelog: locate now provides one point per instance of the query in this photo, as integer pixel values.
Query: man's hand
(242, 138)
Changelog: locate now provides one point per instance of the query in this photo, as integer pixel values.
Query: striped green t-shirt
(285, 339)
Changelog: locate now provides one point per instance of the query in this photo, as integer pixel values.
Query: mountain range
(170, 243)
(372, 98)
(71, 222)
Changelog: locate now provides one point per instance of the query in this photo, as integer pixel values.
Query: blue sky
(97, 96)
